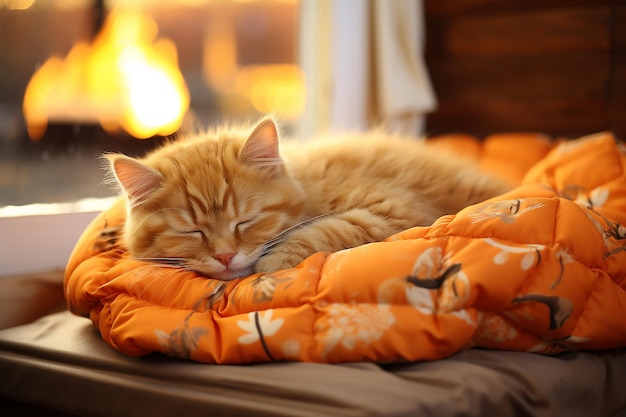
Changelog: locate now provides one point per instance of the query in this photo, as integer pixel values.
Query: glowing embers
(277, 88)
(125, 79)
(267, 85)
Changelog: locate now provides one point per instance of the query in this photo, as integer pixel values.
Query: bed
(137, 356)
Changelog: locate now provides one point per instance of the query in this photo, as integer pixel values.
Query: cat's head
(209, 203)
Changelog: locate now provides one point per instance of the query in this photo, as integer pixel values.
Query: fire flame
(125, 79)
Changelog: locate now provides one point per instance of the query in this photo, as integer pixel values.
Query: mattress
(59, 362)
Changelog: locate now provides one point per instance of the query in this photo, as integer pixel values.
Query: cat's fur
(216, 202)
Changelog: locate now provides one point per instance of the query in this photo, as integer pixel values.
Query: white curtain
(363, 63)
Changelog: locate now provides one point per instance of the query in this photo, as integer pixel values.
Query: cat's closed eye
(243, 223)
(198, 233)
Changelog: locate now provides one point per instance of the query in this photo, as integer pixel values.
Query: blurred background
(81, 77)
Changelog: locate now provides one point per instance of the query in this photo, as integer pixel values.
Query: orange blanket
(540, 269)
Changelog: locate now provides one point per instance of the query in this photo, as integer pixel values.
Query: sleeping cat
(229, 202)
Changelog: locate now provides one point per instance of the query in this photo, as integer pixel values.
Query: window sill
(41, 237)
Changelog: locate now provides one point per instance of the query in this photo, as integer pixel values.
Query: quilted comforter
(539, 269)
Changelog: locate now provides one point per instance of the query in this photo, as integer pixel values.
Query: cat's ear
(136, 179)
(261, 147)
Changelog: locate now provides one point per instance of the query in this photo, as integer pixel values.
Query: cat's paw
(277, 261)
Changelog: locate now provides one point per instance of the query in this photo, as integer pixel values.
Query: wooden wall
(507, 65)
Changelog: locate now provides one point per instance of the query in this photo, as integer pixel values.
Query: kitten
(229, 202)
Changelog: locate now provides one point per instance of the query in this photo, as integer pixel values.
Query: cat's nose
(225, 258)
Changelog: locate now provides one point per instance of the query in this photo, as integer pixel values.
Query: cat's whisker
(164, 261)
(298, 225)
(283, 234)
(174, 266)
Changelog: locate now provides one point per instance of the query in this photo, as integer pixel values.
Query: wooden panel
(571, 77)
(617, 97)
(617, 83)
(558, 67)
(446, 8)
(619, 29)
(529, 33)
(566, 118)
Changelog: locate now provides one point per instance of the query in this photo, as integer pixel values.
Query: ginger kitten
(231, 201)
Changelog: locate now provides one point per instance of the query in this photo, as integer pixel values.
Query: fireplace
(84, 77)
